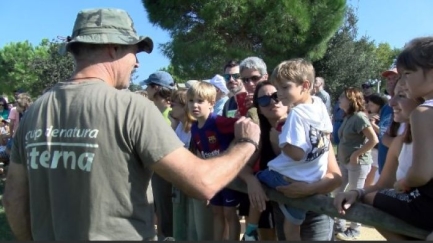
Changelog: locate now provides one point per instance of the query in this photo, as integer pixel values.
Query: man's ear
(112, 50)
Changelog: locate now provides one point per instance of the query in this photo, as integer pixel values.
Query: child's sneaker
(253, 237)
(348, 235)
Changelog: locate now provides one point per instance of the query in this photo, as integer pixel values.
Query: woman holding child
(272, 113)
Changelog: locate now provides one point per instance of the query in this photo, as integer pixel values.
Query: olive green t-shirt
(88, 149)
(352, 138)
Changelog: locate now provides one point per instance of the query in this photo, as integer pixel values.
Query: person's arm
(421, 171)
(386, 180)
(16, 201)
(327, 184)
(202, 179)
(387, 139)
(372, 140)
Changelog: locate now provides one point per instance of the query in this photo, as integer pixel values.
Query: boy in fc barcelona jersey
(212, 135)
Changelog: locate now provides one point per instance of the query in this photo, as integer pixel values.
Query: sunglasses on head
(253, 79)
(266, 99)
(228, 76)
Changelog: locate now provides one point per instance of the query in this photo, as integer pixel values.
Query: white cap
(219, 82)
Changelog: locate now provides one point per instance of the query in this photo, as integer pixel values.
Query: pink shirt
(13, 115)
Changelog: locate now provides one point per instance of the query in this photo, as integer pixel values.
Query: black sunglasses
(228, 76)
(253, 79)
(266, 99)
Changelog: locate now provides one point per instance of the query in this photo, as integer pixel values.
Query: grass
(5, 231)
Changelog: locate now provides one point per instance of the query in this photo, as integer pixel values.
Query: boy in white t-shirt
(304, 139)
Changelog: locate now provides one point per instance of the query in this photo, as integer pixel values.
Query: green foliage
(50, 68)
(176, 73)
(350, 61)
(207, 33)
(15, 71)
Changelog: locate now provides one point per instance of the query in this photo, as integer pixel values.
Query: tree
(51, 68)
(15, 70)
(133, 86)
(348, 61)
(207, 33)
(385, 56)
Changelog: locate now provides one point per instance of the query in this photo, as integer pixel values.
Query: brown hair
(295, 70)
(418, 53)
(356, 100)
(24, 100)
(180, 97)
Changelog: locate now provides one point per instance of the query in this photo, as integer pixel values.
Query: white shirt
(185, 137)
(307, 127)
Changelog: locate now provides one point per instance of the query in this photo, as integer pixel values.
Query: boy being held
(212, 135)
(304, 139)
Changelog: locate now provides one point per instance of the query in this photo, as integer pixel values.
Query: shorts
(414, 207)
(274, 179)
(374, 154)
(226, 198)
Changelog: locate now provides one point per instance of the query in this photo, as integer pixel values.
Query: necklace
(73, 79)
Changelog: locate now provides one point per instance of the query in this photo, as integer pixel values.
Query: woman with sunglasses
(271, 115)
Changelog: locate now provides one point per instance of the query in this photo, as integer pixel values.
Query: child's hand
(354, 159)
(401, 187)
(257, 195)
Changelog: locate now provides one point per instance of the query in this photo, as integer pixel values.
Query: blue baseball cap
(160, 78)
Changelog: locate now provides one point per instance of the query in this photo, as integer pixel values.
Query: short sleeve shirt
(352, 138)
(88, 148)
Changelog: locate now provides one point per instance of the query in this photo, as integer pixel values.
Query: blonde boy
(212, 135)
(304, 139)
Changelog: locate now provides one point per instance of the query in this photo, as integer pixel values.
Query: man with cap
(386, 114)
(160, 86)
(84, 153)
(220, 84)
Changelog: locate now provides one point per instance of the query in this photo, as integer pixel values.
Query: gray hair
(253, 63)
(321, 80)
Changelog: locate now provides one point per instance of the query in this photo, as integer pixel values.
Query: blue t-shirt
(384, 123)
(337, 120)
(230, 107)
(215, 136)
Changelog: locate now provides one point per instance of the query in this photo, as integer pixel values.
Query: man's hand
(249, 100)
(246, 128)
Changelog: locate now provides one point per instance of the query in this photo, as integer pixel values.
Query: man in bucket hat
(84, 153)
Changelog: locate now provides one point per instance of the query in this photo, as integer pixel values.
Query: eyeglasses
(253, 79)
(266, 99)
(228, 76)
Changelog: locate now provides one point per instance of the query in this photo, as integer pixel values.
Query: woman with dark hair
(357, 138)
(4, 108)
(398, 162)
(374, 106)
(271, 115)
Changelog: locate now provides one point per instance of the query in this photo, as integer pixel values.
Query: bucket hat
(106, 26)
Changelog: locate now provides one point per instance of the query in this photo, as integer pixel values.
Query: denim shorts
(9, 144)
(274, 179)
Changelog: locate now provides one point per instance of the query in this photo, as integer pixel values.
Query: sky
(392, 21)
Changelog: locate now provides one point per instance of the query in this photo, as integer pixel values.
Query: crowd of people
(90, 161)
